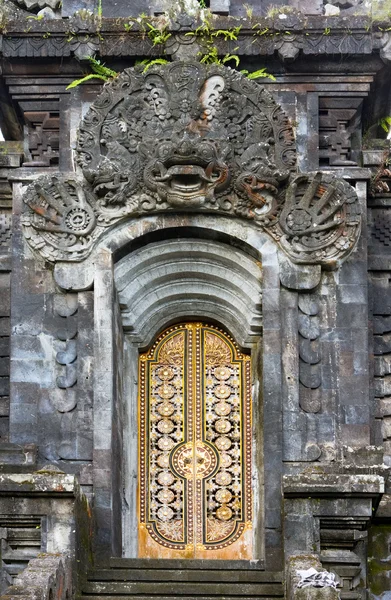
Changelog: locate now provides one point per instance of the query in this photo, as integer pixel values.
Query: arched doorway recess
(212, 285)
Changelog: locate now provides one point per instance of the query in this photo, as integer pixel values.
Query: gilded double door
(195, 446)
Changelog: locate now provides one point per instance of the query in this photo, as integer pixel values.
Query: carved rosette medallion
(321, 218)
(195, 441)
(61, 222)
(188, 137)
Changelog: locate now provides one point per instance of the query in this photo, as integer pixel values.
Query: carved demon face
(190, 137)
(187, 137)
(187, 173)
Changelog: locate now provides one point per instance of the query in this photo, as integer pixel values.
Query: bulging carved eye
(206, 151)
(165, 150)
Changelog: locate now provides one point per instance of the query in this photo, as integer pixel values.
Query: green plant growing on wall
(207, 35)
(147, 63)
(274, 11)
(249, 10)
(370, 138)
(156, 35)
(99, 72)
(261, 73)
(212, 58)
(260, 31)
(157, 31)
(385, 124)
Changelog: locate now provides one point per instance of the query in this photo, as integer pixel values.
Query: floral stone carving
(190, 137)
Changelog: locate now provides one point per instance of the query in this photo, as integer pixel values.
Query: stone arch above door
(173, 279)
(189, 138)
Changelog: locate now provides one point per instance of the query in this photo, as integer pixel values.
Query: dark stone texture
(321, 373)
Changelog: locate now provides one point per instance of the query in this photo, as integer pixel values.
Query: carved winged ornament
(186, 137)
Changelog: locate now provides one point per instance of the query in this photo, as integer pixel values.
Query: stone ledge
(320, 484)
(42, 484)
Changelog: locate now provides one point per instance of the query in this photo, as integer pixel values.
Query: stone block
(355, 435)
(4, 386)
(352, 273)
(325, 427)
(352, 315)
(273, 517)
(33, 347)
(5, 303)
(346, 363)
(352, 294)
(4, 429)
(298, 277)
(354, 389)
(5, 326)
(298, 534)
(360, 363)
(4, 406)
(103, 458)
(356, 414)
(4, 367)
(4, 346)
(33, 371)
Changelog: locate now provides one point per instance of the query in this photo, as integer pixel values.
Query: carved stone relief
(187, 137)
(65, 308)
(309, 353)
(43, 138)
(5, 231)
(338, 120)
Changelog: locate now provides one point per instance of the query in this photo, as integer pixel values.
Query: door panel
(195, 446)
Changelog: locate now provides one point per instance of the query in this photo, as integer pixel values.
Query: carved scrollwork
(179, 134)
(190, 137)
(320, 220)
(61, 223)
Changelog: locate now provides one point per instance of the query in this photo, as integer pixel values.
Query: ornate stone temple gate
(191, 329)
(168, 142)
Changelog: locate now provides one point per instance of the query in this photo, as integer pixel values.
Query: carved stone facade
(189, 138)
(195, 298)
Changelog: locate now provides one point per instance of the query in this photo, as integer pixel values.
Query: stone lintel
(27, 175)
(38, 484)
(320, 484)
(350, 173)
(15, 457)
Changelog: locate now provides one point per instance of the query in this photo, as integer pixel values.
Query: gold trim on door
(195, 446)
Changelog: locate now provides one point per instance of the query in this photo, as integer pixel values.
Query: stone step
(182, 564)
(181, 588)
(184, 574)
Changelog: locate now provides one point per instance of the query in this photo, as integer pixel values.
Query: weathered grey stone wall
(323, 420)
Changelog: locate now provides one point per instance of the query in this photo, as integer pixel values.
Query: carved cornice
(289, 37)
(186, 138)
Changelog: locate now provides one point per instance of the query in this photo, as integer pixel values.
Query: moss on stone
(379, 566)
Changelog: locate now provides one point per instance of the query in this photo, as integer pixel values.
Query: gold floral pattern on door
(195, 442)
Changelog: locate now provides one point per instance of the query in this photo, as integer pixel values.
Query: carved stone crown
(190, 137)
